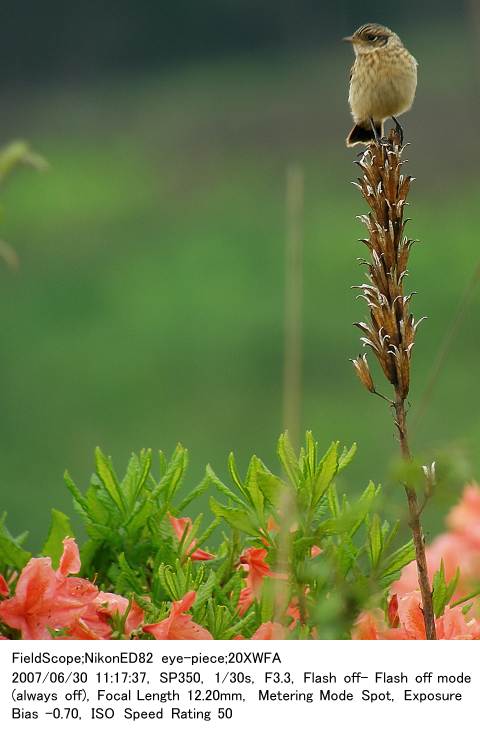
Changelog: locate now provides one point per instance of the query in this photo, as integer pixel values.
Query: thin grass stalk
(292, 372)
(292, 367)
(390, 332)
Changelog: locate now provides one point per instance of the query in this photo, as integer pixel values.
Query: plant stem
(292, 369)
(415, 525)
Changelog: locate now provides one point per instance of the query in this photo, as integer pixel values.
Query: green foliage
(12, 554)
(59, 529)
(317, 557)
(443, 591)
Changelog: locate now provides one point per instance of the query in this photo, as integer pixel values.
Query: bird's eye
(371, 37)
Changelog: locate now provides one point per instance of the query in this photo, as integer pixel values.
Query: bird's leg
(375, 133)
(398, 129)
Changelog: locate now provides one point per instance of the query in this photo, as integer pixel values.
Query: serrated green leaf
(288, 459)
(223, 488)
(269, 484)
(442, 591)
(60, 528)
(325, 473)
(194, 494)
(252, 488)
(237, 518)
(333, 503)
(12, 554)
(398, 560)
(138, 471)
(76, 493)
(375, 541)
(232, 467)
(129, 576)
(346, 457)
(346, 556)
(205, 590)
(109, 480)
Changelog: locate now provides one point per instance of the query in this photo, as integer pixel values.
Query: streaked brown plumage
(383, 81)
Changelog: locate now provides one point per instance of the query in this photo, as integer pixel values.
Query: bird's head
(371, 37)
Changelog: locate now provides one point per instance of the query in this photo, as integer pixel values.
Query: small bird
(383, 82)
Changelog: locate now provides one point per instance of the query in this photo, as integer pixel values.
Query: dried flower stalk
(390, 334)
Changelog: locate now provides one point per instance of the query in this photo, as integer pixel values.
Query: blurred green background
(148, 306)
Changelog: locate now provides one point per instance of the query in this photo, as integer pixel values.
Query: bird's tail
(363, 133)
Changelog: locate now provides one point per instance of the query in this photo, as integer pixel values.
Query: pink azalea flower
(179, 625)
(464, 518)
(94, 622)
(180, 524)
(270, 631)
(452, 625)
(4, 589)
(45, 599)
(456, 552)
(253, 561)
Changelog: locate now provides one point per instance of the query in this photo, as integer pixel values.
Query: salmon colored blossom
(179, 625)
(4, 589)
(180, 526)
(464, 518)
(94, 623)
(456, 553)
(270, 631)
(458, 549)
(45, 599)
(452, 625)
(253, 561)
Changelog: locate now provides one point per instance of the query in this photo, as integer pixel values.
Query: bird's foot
(375, 131)
(398, 130)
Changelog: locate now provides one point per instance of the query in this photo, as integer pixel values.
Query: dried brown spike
(385, 189)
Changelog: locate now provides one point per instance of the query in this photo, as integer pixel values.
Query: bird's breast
(382, 84)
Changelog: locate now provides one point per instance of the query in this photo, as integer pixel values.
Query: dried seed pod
(391, 334)
(363, 372)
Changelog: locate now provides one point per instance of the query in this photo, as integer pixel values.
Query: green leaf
(253, 490)
(236, 518)
(173, 476)
(223, 488)
(109, 480)
(346, 555)
(346, 457)
(194, 494)
(442, 591)
(76, 493)
(333, 504)
(325, 473)
(60, 528)
(232, 467)
(288, 459)
(375, 541)
(398, 559)
(269, 484)
(12, 554)
(363, 506)
(138, 471)
(129, 578)
(205, 591)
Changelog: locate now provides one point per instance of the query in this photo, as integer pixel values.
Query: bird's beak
(348, 39)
